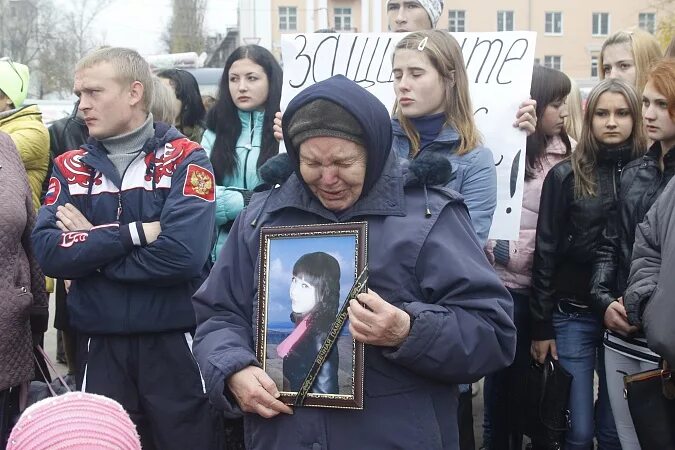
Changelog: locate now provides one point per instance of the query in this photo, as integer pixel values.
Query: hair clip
(423, 44)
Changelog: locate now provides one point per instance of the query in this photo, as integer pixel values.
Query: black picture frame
(296, 310)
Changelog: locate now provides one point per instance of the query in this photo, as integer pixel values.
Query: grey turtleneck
(123, 149)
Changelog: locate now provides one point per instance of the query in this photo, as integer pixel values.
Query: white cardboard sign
(499, 66)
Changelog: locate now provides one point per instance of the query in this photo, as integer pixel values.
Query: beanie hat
(14, 79)
(434, 8)
(324, 118)
(74, 421)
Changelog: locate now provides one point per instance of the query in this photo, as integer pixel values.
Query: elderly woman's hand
(256, 392)
(375, 321)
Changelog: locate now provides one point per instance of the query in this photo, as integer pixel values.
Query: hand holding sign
(499, 67)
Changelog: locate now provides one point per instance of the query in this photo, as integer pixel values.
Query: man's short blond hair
(129, 65)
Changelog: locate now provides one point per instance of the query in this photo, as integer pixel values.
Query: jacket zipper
(119, 192)
(614, 174)
(119, 214)
(248, 150)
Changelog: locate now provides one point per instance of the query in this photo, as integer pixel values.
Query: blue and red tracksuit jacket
(121, 285)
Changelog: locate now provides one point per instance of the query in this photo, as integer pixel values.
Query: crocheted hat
(74, 421)
(434, 8)
(14, 79)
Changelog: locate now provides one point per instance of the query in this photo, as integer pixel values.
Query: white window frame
(552, 22)
(285, 13)
(595, 66)
(455, 19)
(651, 28)
(549, 62)
(503, 15)
(340, 12)
(597, 20)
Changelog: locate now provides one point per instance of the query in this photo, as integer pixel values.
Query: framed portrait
(306, 275)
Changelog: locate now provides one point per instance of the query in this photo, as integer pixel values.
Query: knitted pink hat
(74, 421)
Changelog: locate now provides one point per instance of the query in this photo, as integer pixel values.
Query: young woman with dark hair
(315, 298)
(191, 112)
(578, 200)
(546, 147)
(239, 136)
(642, 182)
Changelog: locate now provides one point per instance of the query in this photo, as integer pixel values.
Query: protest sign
(499, 66)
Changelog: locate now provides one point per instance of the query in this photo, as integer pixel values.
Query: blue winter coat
(122, 286)
(234, 190)
(433, 268)
(474, 174)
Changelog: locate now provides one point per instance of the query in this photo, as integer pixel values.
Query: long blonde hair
(646, 52)
(445, 55)
(163, 107)
(585, 156)
(575, 114)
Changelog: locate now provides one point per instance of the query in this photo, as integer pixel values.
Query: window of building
(600, 24)
(456, 20)
(343, 19)
(288, 18)
(553, 23)
(647, 22)
(504, 20)
(594, 67)
(553, 62)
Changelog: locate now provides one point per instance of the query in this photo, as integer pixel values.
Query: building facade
(569, 33)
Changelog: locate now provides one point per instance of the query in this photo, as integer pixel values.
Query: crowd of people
(152, 206)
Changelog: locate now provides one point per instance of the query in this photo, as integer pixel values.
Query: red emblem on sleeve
(199, 182)
(53, 192)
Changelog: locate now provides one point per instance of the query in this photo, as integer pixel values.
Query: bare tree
(71, 38)
(665, 29)
(78, 22)
(25, 28)
(185, 32)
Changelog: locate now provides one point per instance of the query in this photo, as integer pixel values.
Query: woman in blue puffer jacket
(239, 136)
(434, 113)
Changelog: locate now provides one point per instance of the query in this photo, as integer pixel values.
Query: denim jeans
(578, 339)
(498, 434)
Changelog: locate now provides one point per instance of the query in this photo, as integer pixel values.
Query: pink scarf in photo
(285, 347)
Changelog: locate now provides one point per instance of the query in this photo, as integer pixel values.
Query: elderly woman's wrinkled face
(303, 295)
(334, 169)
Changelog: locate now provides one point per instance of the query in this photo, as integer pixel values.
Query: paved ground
(50, 348)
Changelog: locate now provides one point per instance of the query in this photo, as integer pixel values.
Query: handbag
(39, 390)
(545, 389)
(651, 401)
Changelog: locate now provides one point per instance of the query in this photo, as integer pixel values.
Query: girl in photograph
(189, 107)
(239, 136)
(315, 298)
(513, 259)
(433, 113)
(578, 197)
(642, 181)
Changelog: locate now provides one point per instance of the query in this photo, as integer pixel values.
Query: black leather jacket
(298, 362)
(642, 182)
(568, 230)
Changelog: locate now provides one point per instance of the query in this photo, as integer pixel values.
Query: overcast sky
(139, 23)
